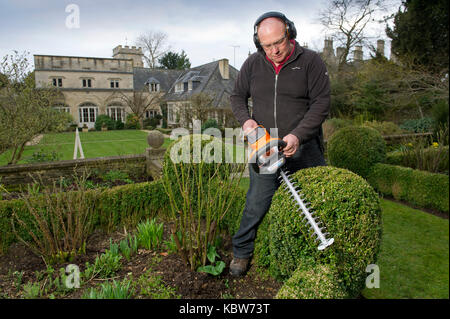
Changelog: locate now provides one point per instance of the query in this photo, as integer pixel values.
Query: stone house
(91, 86)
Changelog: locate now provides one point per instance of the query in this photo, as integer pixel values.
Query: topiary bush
(356, 148)
(350, 210)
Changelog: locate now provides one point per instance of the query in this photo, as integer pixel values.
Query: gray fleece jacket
(296, 101)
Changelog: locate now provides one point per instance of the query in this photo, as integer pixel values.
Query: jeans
(260, 193)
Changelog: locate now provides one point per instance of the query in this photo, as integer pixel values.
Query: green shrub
(132, 122)
(332, 125)
(313, 282)
(111, 207)
(422, 125)
(119, 125)
(440, 113)
(104, 120)
(56, 224)
(424, 189)
(385, 127)
(154, 121)
(350, 210)
(210, 123)
(356, 148)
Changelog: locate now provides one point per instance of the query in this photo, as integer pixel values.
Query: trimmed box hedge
(421, 188)
(349, 208)
(356, 148)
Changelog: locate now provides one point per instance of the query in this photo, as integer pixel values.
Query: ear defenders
(291, 32)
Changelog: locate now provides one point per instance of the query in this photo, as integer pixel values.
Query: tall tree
(174, 61)
(421, 33)
(347, 21)
(154, 45)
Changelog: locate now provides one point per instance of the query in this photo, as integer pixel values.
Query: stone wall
(15, 176)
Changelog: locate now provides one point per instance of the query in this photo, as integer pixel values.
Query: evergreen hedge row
(421, 188)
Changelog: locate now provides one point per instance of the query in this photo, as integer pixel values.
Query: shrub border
(421, 188)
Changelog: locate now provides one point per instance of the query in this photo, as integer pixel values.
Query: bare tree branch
(154, 45)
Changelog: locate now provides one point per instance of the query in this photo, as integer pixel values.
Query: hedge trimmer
(267, 156)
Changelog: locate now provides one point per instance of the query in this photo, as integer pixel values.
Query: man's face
(273, 39)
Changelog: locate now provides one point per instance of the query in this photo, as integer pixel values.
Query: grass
(95, 144)
(414, 256)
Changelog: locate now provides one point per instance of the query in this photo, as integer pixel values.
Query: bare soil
(171, 268)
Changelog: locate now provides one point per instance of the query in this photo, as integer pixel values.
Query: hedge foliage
(421, 188)
(356, 148)
(350, 210)
(113, 206)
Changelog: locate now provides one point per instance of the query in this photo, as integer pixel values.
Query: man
(290, 90)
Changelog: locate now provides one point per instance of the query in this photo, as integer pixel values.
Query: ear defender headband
(291, 32)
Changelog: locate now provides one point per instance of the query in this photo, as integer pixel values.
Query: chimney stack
(358, 53)
(224, 69)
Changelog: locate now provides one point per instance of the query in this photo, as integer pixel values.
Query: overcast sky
(205, 30)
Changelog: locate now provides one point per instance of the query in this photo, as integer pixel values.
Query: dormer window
(153, 87)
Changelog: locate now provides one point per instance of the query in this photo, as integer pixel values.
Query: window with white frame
(116, 113)
(153, 87)
(151, 113)
(61, 108)
(87, 113)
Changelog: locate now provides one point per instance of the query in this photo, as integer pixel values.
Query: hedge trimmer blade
(324, 242)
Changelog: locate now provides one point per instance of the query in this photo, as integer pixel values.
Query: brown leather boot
(239, 266)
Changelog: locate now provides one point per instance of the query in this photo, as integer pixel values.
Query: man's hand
(248, 126)
(292, 145)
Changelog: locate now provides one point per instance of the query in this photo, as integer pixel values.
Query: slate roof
(165, 78)
(207, 80)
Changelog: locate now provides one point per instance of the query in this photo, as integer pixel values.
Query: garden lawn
(95, 144)
(414, 256)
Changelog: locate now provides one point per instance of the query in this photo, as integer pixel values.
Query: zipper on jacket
(275, 101)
